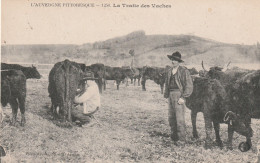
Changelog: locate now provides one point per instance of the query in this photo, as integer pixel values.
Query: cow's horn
(203, 66)
(227, 116)
(225, 68)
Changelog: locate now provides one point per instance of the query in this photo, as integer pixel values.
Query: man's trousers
(176, 116)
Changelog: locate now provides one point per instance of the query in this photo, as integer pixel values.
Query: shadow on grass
(158, 134)
(46, 113)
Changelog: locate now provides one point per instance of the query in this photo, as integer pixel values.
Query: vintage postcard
(130, 81)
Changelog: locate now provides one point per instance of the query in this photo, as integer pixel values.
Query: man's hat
(89, 76)
(175, 56)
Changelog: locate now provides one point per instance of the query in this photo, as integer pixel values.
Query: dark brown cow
(64, 79)
(158, 75)
(240, 92)
(29, 72)
(153, 73)
(13, 91)
(115, 73)
(210, 97)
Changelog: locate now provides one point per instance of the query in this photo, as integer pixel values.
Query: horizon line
(78, 44)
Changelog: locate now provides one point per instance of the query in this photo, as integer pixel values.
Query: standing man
(178, 86)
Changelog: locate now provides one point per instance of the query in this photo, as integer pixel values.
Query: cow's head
(193, 71)
(215, 72)
(239, 124)
(32, 72)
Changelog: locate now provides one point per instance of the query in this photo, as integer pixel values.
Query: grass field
(131, 126)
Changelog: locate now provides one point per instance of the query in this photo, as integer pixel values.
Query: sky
(229, 21)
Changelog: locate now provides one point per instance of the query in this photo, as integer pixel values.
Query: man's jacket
(183, 80)
(90, 98)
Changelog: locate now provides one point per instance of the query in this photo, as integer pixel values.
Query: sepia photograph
(130, 81)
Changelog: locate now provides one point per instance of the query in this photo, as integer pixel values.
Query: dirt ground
(131, 126)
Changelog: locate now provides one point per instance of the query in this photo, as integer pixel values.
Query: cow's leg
(143, 85)
(208, 128)
(216, 128)
(161, 85)
(100, 85)
(131, 80)
(104, 82)
(138, 81)
(69, 110)
(22, 109)
(14, 105)
(230, 136)
(117, 84)
(248, 126)
(55, 110)
(193, 121)
(134, 81)
(126, 83)
(249, 142)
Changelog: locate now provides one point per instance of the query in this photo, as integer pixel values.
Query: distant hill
(149, 50)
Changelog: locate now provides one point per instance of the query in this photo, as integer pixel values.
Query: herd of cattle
(231, 96)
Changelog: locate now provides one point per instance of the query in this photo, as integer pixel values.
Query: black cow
(99, 72)
(241, 88)
(29, 72)
(115, 73)
(153, 73)
(245, 96)
(158, 75)
(246, 93)
(210, 97)
(13, 91)
(64, 79)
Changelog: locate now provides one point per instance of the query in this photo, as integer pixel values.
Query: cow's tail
(67, 89)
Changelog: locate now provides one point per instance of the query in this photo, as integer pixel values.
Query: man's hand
(80, 91)
(181, 101)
